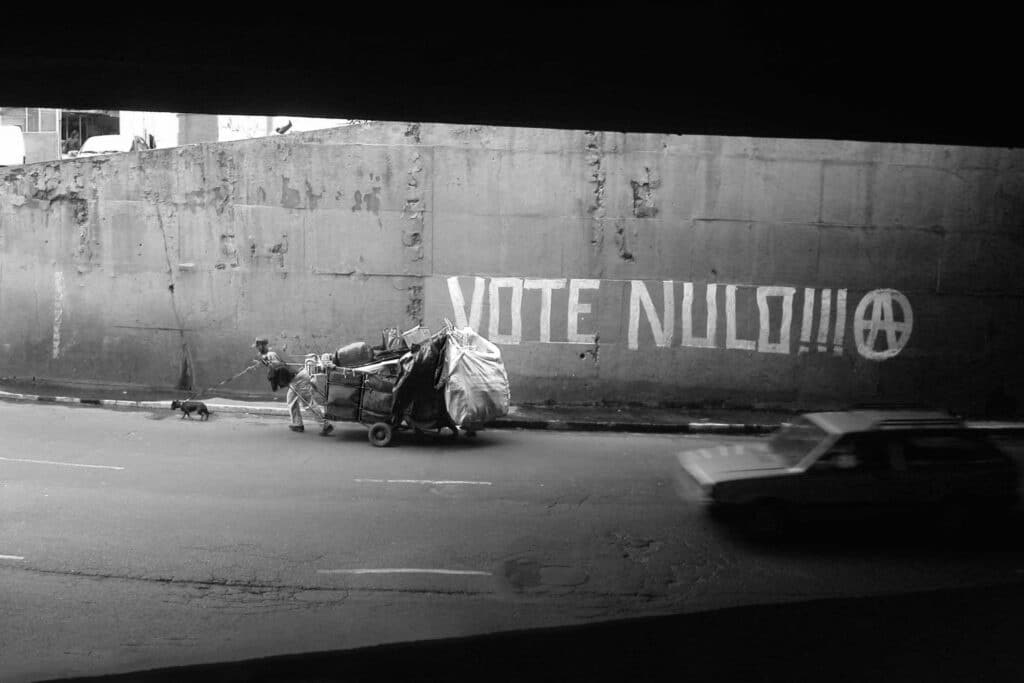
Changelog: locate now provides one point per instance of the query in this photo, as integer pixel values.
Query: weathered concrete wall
(619, 267)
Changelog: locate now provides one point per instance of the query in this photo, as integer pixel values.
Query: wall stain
(229, 251)
(596, 177)
(277, 251)
(313, 200)
(83, 255)
(414, 310)
(622, 242)
(369, 201)
(290, 198)
(224, 194)
(413, 131)
(595, 352)
(45, 188)
(413, 210)
(643, 195)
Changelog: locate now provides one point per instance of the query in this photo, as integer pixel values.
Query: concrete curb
(640, 427)
(501, 423)
(151, 405)
(510, 422)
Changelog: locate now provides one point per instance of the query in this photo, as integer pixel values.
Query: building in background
(52, 134)
(40, 128)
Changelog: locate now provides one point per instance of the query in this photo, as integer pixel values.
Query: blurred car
(12, 146)
(858, 461)
(111, 144)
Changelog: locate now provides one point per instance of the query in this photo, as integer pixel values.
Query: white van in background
(12, 146)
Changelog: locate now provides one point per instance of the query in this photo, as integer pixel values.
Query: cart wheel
(380, 434)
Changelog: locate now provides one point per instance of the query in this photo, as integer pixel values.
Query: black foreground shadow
(952, 635)
(921, 533)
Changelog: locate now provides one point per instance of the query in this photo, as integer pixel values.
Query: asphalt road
(132, 540)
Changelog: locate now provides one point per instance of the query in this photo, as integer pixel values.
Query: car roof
(845, 421)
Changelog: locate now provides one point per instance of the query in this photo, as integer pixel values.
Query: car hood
(711, 465)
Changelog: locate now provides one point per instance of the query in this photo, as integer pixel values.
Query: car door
(953, 464)
(854, 472)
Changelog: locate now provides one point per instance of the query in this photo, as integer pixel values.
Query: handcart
(366, 395)
(412, 384)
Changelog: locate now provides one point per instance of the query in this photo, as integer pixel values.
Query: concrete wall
(618, 267)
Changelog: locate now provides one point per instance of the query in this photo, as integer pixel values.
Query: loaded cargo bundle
(416, 394)
(454, 379)
(476, 389)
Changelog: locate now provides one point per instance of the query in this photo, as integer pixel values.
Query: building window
(48, 120)
(40, 120)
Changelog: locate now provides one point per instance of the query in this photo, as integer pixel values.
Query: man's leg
(295, 409)
(318, 412)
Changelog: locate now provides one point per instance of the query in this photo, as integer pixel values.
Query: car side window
(944, 449)
(856, 453)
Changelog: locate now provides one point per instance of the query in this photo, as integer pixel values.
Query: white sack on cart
(476, 389)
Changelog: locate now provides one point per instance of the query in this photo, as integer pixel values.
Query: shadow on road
(954, 635)
(357, 434)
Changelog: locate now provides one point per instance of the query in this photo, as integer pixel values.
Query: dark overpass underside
(870, 74)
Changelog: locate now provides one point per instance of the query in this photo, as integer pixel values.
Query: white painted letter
(826, 311)
(638, 295)
(763, 345)
(707, 342)
(837, 341)
(459, 304)
(808, 320)
(576, 309)
(731, 342)
(545, 287)
(494, 305)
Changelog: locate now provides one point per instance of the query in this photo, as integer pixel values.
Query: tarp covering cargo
(476, 384)
(416, 394)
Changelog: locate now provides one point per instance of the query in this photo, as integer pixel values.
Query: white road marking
(419, 481)
(11, 557)
(405, 570)
(66, 464)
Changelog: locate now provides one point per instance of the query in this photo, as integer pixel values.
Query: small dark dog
(189, 407)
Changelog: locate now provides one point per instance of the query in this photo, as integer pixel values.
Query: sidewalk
(563, 417)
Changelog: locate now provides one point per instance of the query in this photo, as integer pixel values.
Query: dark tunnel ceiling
(865, 76)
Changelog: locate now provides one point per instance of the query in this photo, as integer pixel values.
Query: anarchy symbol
(882, 321)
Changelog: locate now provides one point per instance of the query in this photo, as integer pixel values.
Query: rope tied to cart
(255, 364)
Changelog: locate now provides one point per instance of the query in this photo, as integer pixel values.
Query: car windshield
(796, 439)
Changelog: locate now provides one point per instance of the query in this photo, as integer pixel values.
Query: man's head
(262, 344)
